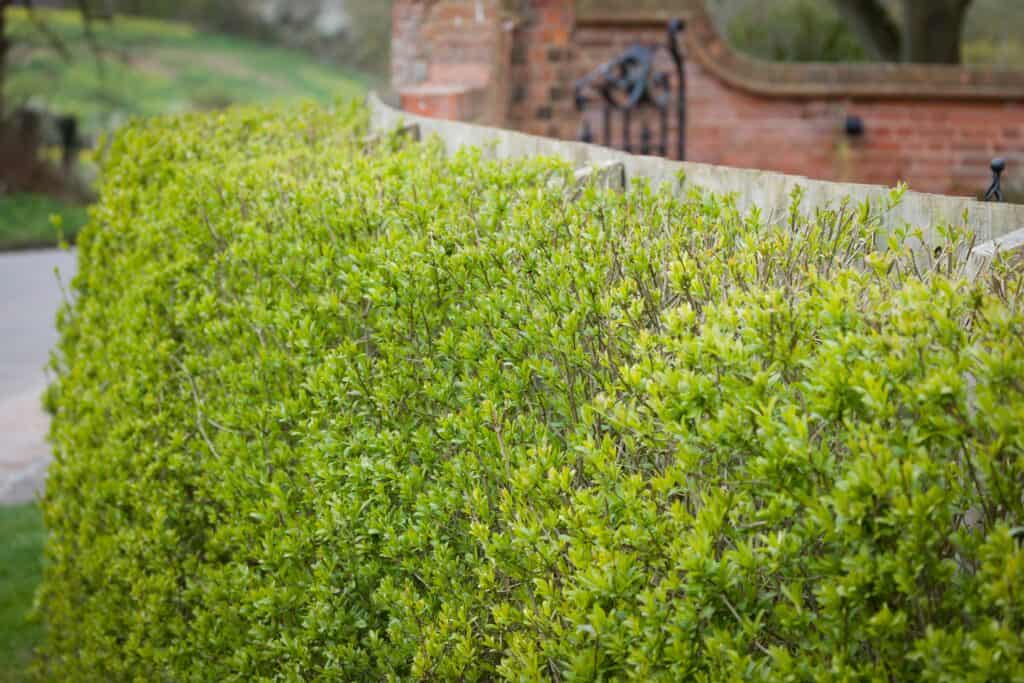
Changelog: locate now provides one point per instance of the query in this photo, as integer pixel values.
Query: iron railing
(631, 87)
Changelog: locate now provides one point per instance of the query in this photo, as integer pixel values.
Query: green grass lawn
(26, 221)
(153, 67)
(21, 548)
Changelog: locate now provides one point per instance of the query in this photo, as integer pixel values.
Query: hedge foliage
(330, 410)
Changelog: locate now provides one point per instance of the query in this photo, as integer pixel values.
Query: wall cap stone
(610, 175)
(981, 257)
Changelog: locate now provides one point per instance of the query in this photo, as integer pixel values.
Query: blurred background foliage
(813, 31)
(147, 67)
(352, 33)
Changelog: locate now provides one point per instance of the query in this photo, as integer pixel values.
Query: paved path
(29, 298)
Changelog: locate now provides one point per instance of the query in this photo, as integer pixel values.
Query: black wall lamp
(854, 126)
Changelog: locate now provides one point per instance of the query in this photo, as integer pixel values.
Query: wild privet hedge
(334, 410)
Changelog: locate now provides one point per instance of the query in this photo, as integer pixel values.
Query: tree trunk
(5, 48)
(873, 26)
(933, 30)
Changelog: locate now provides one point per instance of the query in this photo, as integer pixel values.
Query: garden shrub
(334, 410)
(789, 30)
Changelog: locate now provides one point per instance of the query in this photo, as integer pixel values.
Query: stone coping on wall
(705, 45)
(768, 191)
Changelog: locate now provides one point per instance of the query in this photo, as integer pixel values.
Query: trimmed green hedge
(329, 414)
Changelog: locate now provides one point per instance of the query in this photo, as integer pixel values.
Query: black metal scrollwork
(630, 84)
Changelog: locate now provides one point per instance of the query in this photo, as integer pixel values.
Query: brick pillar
(542, 71)
(409, 54)
(449, 58)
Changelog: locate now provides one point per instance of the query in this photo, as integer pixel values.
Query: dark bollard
(645, 139)
(995, 190)
(67, 126)
(586, 135)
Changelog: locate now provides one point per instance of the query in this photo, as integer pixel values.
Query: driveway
(29, 298)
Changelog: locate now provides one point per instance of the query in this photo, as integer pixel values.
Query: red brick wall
(937, 138)
(940, 146)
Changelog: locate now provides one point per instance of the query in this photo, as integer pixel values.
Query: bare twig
(200, 418)
(90, 35)
(52, 38)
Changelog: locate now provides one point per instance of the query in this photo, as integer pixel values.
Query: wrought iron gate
(631, 89)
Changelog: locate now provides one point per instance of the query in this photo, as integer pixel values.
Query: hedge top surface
(328, 410)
